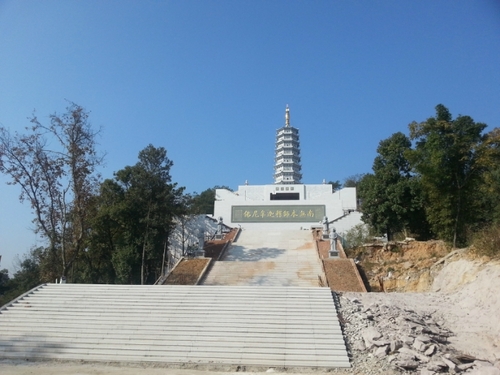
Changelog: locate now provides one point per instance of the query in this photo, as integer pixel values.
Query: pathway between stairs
(269, 258)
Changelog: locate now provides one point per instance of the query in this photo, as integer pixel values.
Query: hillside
(457, 292)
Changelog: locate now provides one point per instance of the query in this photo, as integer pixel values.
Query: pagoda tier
(287, 160)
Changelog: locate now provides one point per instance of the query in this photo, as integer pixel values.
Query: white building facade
(297, 206)
(287, 204)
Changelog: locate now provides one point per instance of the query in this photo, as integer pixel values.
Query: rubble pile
(404, 340)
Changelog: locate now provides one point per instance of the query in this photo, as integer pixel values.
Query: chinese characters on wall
(288, 213)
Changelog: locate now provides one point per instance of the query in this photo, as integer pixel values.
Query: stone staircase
(269, 258)
(263, 274)
(233, 325)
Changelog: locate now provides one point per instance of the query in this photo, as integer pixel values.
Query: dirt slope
(455, 287)
(400, 266)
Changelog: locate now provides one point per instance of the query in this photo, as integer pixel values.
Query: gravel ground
(459, 315)
(362, 367)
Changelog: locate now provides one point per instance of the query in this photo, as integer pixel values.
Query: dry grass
(187, 272)
(487, 242)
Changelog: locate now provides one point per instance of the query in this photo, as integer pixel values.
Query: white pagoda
(288, 203)
(287, 160)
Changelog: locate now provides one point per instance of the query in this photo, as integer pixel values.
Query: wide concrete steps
(236, 325)
(263, 274)
(269, 258)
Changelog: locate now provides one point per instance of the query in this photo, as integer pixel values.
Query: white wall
(186, 233)
(336, 204)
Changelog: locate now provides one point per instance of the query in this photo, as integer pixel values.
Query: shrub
(487, 242)
(356, 236)
(395, 249)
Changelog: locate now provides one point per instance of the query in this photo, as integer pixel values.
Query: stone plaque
(277, 214)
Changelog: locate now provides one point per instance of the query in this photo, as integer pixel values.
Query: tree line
(96, 231)
(442, 181)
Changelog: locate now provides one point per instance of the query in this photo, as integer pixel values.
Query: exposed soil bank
(459, 290)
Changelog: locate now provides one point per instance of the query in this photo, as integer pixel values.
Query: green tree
(55, 167)
(490, 195)
(135, 217)
(391, 196)
(4, 286)
(354, 180)
(336, 185)
(97, 266)
(203, 203)
(490, 189)
(27, 276)
(451, 156)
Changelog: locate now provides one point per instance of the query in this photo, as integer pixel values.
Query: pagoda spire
(287, 116)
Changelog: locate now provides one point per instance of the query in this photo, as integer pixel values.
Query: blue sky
(209, 81)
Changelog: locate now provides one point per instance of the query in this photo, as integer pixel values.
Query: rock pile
(404, 340)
